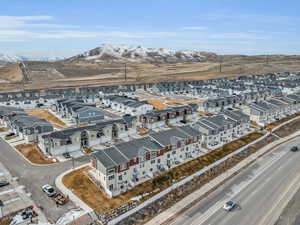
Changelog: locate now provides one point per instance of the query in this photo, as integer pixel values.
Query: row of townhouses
(216, 105)
(27, 127)
(76, 139)
(268, 111)
(125, 165)
(79, 111)
(170, 116)
(126, 105)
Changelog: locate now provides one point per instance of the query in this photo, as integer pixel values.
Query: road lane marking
(295, 181)
(211, 211)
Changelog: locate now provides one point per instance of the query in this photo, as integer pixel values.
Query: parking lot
(13, 195)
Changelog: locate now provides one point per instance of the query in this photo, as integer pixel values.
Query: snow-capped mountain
(126, 53)
(18, 58)
(11, 58)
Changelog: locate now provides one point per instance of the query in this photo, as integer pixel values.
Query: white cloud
(195, 28)
(251, 36)
(13, 22)
(18, 35)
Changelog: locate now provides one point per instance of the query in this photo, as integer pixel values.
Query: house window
(111, 177)
(168, 155)
(120, 177)
(111, 171)
(158, 161)
(174, 152)
(111, 187)
(152, 161)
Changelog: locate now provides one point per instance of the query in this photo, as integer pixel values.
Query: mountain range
(18, 58)
(127, 53)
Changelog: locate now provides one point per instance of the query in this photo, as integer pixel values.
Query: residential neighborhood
(125, 139)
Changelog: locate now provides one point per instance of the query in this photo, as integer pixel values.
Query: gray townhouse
(125, 165)
(28, 127)
(76, 139)
(127, 105)
(220, 129)
(9, 111)
(170, 116)
(79, 111)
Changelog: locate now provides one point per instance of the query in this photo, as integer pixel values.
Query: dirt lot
(45, 114)
(92, 74)
(288, 128)
(10, 73)
(86, 190)
(33, 154)
(3, 129)
(164, 103)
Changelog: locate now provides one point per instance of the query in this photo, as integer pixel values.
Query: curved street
(33, 177)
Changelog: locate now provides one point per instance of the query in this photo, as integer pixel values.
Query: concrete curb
(27, 160)
(164, 217)
(78, 202)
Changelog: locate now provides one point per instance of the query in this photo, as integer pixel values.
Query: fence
(115, 218)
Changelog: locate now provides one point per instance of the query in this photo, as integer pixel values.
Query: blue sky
(65, 28)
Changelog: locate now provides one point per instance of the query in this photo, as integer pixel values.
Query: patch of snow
(108, 52)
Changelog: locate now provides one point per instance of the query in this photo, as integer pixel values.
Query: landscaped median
(32, 153)
(83, 187)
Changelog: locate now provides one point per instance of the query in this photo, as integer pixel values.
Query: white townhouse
(223, 128)
(125, 165)
(266, 112)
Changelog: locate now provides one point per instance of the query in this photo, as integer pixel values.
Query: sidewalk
(77, 201)
(171, 212)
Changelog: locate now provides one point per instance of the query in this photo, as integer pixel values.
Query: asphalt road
(33, 177)
(257, 190)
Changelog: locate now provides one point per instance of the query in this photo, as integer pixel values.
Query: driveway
(33, 177)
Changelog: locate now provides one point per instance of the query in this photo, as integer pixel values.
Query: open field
(87, 191)
(164, 103)
(64, 74)
(33, 154)
(10, 73)
(45, 114)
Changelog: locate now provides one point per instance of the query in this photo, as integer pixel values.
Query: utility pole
(220, 68)
(267, 59)
(125, 72)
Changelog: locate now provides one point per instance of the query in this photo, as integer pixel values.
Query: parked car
(49, 190)
(66, 155)
(229, 206)
(294, 149)
(10, 134)
(3, 183)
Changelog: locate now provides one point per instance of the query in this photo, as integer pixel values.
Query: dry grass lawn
(45, 114)
(278, 122)
(3, 129)
(33, 153)
(166, 102)
(86, 190)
